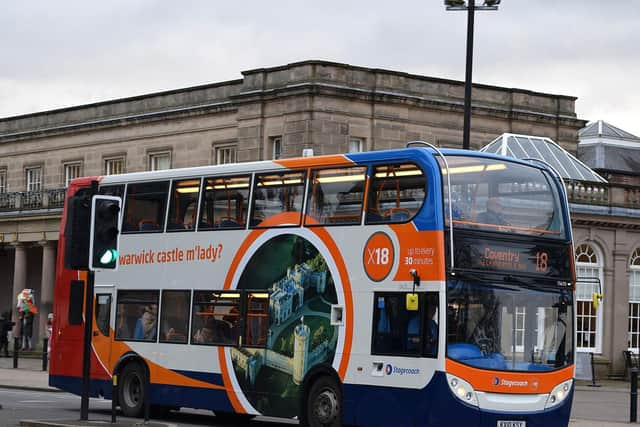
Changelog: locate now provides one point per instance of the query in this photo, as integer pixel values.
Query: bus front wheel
(132, 390)
(323, 406)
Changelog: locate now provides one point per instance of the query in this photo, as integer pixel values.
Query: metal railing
(32, 200)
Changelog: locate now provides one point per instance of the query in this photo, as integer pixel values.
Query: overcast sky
(62, 53)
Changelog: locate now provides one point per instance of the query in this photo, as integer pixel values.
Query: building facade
(606, 220)
(268, 113)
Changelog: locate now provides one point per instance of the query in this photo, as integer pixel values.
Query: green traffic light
(109, 256)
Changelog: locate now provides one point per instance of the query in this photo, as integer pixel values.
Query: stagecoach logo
(511, 383)
(390, 369)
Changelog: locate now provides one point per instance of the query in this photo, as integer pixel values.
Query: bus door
(102, 335)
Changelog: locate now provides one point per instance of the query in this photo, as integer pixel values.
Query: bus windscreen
(509, 327)
(497, 195)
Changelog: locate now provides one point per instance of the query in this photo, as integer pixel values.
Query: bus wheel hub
(325, 407)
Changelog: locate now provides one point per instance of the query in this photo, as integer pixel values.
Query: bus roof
(295, 163)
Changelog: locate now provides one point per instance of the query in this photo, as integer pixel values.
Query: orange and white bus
(401, 287)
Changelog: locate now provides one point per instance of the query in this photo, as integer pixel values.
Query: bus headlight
(558, 394)
(462, 390)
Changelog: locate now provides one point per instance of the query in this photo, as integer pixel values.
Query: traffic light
(76, 250)
(105, 218)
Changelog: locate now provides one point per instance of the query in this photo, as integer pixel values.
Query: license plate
(512, 424)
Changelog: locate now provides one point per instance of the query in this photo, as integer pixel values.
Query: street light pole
(466, 131)
(471, 8)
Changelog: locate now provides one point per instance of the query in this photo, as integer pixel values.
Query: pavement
(30, 376)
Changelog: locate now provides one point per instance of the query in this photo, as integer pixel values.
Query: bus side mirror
(412, 302)
(596, 298)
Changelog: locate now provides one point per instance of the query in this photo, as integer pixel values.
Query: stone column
(19, 280)
(47, 283)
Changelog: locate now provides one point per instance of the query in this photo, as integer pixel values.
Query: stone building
(268, 113)
(606, 223)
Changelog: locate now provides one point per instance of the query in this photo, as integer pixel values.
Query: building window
(227, 154)
(634, 301)
(160, 161)
(71, 172)
(276, 147)
(520, 329)
(3, 181)
(589, 271)
(34, 179)
(356, 145)
(114, 166)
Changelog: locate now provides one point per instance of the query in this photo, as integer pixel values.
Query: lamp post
(470, 7)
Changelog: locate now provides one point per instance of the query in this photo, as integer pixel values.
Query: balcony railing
(610, 195)
(32, 200)
(589, 193)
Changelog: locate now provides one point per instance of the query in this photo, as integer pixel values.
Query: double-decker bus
(402, 287)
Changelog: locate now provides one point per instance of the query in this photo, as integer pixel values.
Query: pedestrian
(27, 331)
(5, 326)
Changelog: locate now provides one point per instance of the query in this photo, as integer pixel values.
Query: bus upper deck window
(224, 203)
(396, 193)
(278, 196)
(145, 207)
(183, 205)
(336, 196)
(112, 190)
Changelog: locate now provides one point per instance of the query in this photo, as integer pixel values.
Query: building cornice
(400, 74)
(301, 78)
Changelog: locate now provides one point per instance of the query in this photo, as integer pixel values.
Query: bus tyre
(132, 390)
(323, 405)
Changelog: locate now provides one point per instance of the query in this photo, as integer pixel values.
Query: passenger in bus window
(146, 324)
(131, 222)
(207, 333)
(494, 213)
(122, 327)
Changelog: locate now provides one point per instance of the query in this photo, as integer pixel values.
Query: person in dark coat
(27, 331)
(5, 326)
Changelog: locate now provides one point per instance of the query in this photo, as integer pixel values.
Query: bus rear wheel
(132, 390)
(323, 406)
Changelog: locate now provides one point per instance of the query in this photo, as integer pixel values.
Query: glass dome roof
(535, 147)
